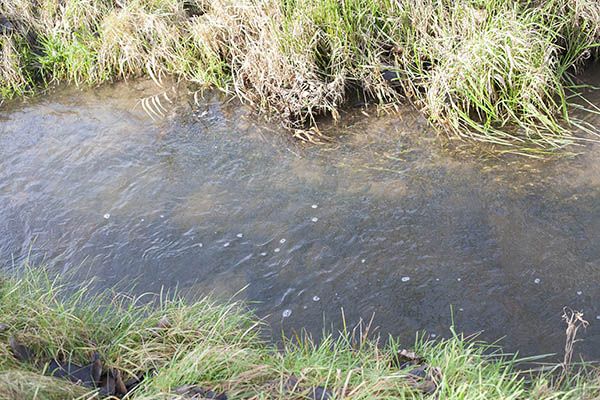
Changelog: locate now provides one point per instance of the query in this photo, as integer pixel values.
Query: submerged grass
(491, 70)
(219, 347)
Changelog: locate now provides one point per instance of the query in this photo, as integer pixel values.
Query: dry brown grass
(492, 70)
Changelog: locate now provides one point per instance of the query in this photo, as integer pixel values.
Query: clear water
(384, 221)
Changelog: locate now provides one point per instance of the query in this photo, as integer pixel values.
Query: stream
(388, 221)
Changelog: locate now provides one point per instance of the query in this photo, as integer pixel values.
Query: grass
(220, 347)
(499, 71)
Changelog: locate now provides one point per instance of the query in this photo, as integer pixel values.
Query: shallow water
(385, 221)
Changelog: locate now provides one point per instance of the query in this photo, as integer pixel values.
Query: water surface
(384, 221)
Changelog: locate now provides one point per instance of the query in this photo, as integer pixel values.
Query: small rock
(316, 298)
(314, 219)
(419, 372)
(240, 235)
(319, 393)
(405, 358)
(286, 313)
(198, 393)
(391, 77)
(163, 323)
(20, 351)
(405, 278)
(5, 25)
(106, 216)
(314, 206)
(537, 281)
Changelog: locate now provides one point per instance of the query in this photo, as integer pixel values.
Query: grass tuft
(219, 347)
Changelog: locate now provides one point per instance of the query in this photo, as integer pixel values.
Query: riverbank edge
(164, 344)
(498, 71)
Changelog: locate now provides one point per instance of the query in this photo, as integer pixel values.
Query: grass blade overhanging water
(492, 70)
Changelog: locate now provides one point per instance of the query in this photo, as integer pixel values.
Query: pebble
(277, 250)
(240, 235)
(363, 261)
(263, 254)
(458, 279)
(286, 313)
(282, 241)
(437, 279)
(162, 216)
(405, 278)
(314, 219)
(314, 206)
(316, 298)
(461, 309)
(579, 293)
(537, 281)
(226, 244)
(106, 216)
(142, 220)
(433, 335)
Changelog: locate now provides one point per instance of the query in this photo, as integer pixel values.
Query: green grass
(220, 347)
(499, 71)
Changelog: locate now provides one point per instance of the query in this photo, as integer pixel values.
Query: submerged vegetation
(493, 70)
(167, 345)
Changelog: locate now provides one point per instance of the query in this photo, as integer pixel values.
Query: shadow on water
(384, 221)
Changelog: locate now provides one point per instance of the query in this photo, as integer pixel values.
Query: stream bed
(385, 222)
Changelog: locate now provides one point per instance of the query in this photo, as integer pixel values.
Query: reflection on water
(383, 221)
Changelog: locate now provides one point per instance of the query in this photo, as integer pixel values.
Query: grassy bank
(493, 70)
(169, 344)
